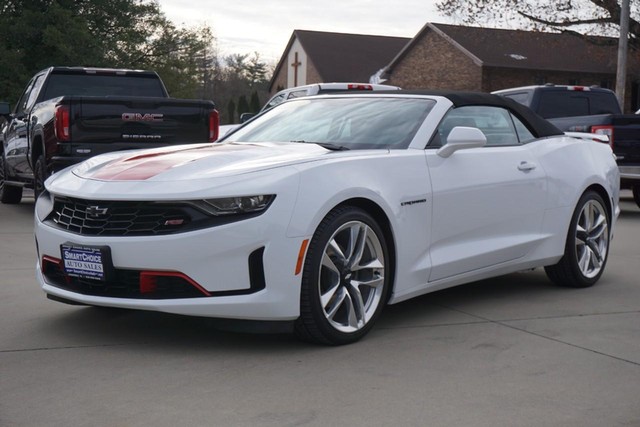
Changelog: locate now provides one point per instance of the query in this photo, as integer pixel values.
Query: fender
(36, 148)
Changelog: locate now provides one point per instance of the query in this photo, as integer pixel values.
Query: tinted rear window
(604, 103)
(102, 85)
(570, 104)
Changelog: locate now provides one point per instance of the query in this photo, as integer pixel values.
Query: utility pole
(621, 76)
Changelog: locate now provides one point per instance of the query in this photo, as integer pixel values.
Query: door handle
(526, 166)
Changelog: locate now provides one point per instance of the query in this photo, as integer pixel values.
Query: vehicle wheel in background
(636, 194)
(9, 194)
(344, 285)
(587, 245)
(40, 175)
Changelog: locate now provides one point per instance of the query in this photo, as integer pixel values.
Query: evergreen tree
(231, 110)
(254, 105)
(255, 70)
(36, 34)
(243, 105)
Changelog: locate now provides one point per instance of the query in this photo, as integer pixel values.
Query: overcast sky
(265, 26)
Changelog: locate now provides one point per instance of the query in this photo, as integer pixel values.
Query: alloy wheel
(592, 238)
(351, 276)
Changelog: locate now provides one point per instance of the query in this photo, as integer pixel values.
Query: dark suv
(593, 110)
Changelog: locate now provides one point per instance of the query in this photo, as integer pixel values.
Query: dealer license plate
(87, 262)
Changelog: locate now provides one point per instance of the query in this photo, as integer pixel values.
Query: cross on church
(295, 66)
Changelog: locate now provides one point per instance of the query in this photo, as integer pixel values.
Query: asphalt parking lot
(511, 351)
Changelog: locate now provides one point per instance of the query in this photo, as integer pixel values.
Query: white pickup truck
(307, 90)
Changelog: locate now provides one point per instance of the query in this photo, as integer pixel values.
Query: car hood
(199, 161)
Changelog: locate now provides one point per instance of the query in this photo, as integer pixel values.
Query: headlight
(234, 205)
(44, 205)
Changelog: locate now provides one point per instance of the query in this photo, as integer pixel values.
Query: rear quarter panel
(573, 166)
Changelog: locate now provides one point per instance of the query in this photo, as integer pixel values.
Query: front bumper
(216, 258)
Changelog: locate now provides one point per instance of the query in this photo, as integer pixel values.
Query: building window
(573, 82)
(606, 84)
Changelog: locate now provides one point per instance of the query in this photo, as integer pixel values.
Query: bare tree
(594, 17)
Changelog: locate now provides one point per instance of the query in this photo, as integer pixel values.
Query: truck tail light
(62, 123)
(214, 125)
(359, 87)
(604, 130)
(579, 88)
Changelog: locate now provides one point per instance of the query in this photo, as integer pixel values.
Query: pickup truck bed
(104, 124)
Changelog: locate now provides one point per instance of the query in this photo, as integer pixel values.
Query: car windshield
(344, 122)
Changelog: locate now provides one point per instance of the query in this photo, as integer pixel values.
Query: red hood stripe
(148, 165)
(132, 172)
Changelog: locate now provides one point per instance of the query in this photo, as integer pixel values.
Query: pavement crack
(434, 325)
(564, 316)
(570, 344)
(502, 323)
(69, 347)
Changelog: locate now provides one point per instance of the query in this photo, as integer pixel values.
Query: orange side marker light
(303, 250)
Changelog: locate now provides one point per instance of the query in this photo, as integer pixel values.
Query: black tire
(40, 175)
(636, 194)
(353, 298)
(587, 246)
(9, 194)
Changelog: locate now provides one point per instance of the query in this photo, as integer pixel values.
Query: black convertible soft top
(536, 124)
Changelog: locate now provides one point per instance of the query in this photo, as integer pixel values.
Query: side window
(275, 101)
(22, 103)
(494, 122)
(521, 97)
(35, 90)
(524, 135)
(297, 94)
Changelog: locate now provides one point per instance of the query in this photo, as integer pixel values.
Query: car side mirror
(245, 117)
(5, 109)
(462, 138)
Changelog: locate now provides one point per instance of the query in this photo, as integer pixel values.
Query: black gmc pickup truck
(68, 114)
(589, 109)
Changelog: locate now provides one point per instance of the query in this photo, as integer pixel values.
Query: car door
(488, 202)
(17, 135)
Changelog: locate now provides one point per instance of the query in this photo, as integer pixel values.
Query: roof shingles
(340, 57)
(535, 50)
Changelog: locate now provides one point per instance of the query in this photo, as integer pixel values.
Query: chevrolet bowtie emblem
(96, 211)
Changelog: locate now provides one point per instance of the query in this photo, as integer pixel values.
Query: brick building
(444, 56)
(485, 59)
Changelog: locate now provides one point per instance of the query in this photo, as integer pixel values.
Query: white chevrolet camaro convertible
(325, 209)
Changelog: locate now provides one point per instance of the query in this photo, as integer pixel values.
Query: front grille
(109, 218)
(133, 218)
